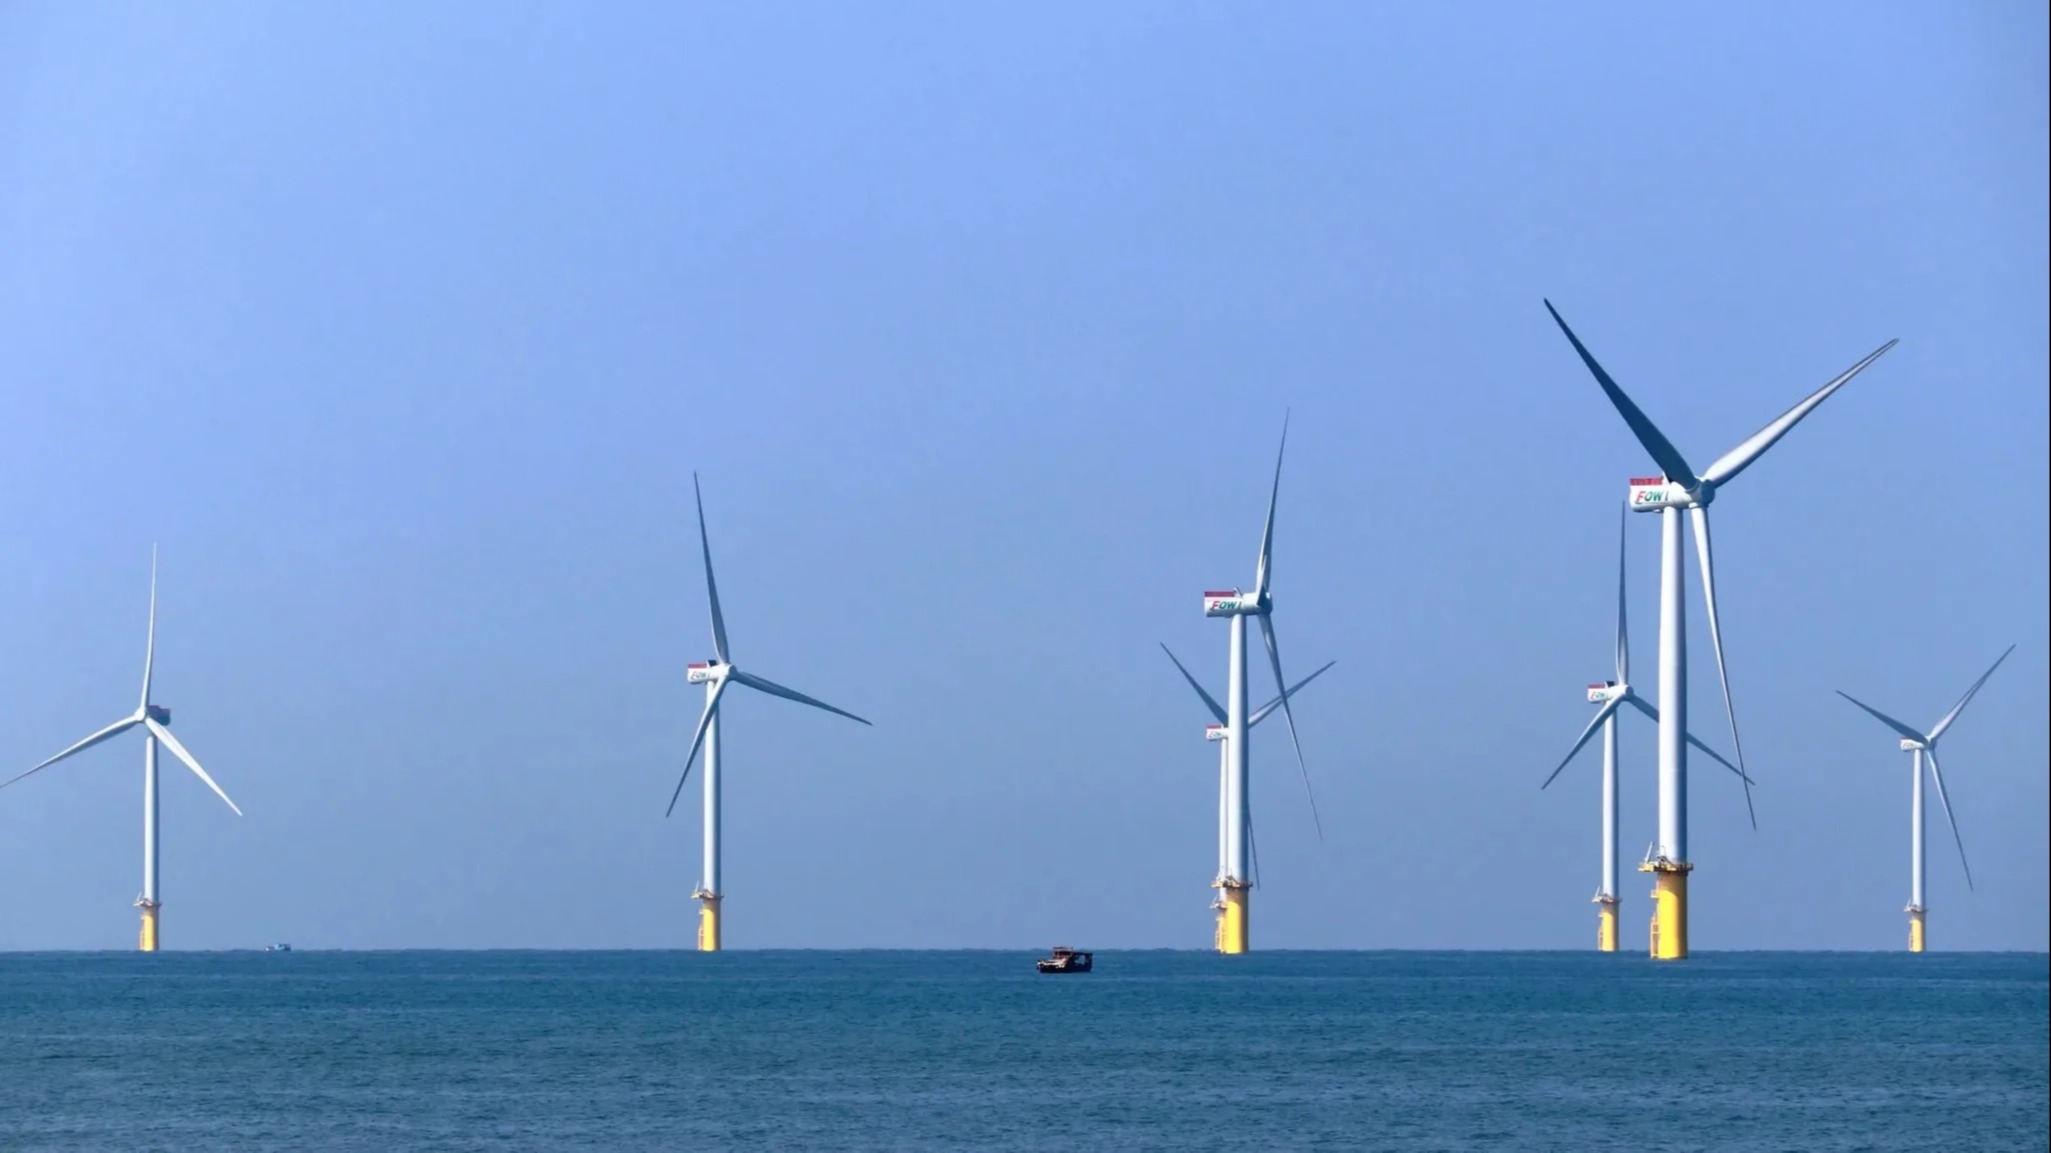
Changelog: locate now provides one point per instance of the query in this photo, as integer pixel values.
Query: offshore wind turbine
(1220, 733)
(1612, 695)
(1922, 750)
(716, 675)
(1681, 487)
(155, 721)
(1237, 885)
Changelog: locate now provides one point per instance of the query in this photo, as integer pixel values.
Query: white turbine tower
(1220, 732)
(155, 721)
(1234, 932)
(1682, 488)
(1922, 750)
(716, 675)
(1612, 695)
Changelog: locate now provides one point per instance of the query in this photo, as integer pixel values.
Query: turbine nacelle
(705, 672)
(1653, 493)
(1233, 603)
(1909, 746)
(1215, 732)
(1603, 692)
(157, 713)
(1223, 603)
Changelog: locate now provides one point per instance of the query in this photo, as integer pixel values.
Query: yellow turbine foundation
(1669, 908)
(1606, 924)
(1232, 916)
(1915, 929)
(708, 922)
(148, 943)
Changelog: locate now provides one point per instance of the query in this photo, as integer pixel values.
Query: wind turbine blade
(1275, 662)
(697, 739)
(1623, 618)
(1653, 715)
(1602, 714)
(711, 586)
(1964, 700)
(1732, 463)
(1738, 772)
(1720, 759)
(177, 750)
(1883, 718)
(1663, 451)
(1264, 570)
(1254, 718)
(1700, 516)
(1210, 702)
(1937, 775)
(149, 652)
(108, 733)
(775, 690)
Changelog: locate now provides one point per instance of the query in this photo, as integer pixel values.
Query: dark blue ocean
(973, 1050)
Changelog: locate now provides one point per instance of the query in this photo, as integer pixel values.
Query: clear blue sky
(403, 328)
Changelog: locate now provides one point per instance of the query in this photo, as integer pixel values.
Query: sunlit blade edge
(108, 733)
(1608, 710)
(1705, 554)
(177, 750)
(1289, 715)
(1937, 776)
(765, 685)
(1970, 693)
(697, 739)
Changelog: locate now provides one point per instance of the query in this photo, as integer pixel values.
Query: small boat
(280, 947)
(1064, 960)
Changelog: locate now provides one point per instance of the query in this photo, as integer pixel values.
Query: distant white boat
(280, 947)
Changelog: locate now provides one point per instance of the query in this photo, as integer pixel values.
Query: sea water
(975, 1050)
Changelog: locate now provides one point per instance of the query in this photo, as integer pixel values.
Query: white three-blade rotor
(145, 715)
(1619, 693)
(1253, 718)
(1261, 605)
(1686, 489)
(721, 672)
(1926, 743)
